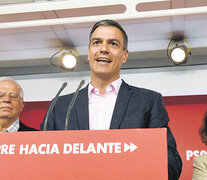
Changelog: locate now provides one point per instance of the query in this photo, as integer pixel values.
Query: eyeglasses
(12, 95)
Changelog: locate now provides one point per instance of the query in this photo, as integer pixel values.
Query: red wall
(185, 114)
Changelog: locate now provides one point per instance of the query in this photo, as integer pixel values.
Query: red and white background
(184, 93)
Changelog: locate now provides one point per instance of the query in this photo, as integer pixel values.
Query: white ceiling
(32, 31)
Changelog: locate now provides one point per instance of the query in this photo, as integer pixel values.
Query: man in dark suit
(110, 103)
(11, 105)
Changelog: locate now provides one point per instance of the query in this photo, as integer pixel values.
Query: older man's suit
(23, 127)
(134, 108)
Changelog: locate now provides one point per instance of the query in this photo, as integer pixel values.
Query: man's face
(106, 54)
(11, 104)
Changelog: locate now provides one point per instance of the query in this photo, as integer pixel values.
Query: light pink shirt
(101, 107)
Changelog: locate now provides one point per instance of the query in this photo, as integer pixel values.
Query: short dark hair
(108, 22)
(203, 130)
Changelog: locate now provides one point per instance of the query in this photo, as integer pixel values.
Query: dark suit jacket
(134, 108)
(23, 127)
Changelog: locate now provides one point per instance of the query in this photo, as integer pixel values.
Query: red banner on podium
(95, 154)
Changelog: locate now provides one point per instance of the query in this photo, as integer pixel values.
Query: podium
(124, 154)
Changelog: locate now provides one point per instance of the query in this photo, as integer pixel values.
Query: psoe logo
(191, 154)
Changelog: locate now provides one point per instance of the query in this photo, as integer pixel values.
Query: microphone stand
(72, 104)
(52, 105)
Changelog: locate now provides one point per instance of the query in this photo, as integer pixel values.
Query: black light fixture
(178, 52)
(68, 58)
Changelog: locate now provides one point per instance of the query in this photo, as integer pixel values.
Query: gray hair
(12, 80)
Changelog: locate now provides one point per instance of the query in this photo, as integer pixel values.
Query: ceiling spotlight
(68, 61)
(178, 52)
(68, 58)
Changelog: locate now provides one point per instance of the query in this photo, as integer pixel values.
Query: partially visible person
(11, 105)
(200, 162)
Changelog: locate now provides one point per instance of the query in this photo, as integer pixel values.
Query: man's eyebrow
(95, 39)
(115, 40)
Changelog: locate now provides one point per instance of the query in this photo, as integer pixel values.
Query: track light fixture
(68, 58)
(178, 52)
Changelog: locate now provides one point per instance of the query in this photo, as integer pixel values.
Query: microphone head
(64, 84)
(82, 82)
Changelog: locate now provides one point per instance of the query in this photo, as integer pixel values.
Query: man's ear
(125, 56)
(88, 52)
(22, 104)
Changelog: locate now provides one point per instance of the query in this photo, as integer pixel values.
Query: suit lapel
(82, 108)
(119, 109)
(121, 105)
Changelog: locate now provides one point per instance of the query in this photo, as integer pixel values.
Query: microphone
(72, 104)
(52, 105)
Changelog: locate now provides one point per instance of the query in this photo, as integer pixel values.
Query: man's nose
(104, 48)
(7, 98)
